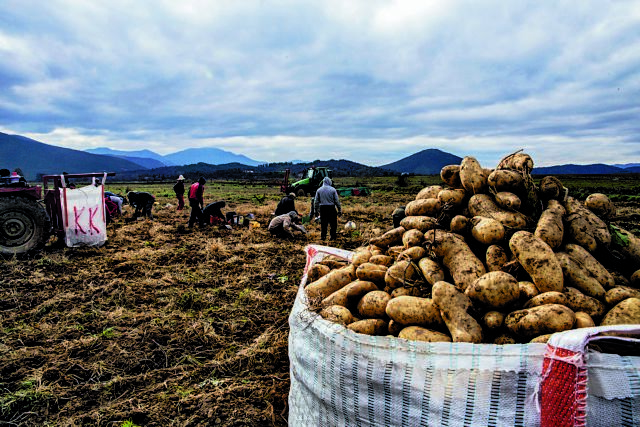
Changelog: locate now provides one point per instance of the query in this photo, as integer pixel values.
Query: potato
(452, 197)
(462, 263)
(486, 230)
(583, 320)
(360, 257)
(459, 224)
(385, 260)
(496, 258)
(521, 162)
(578, 276)
(430, 192)
(350, 294)
(422, 223)
(431, 270)
(454, 307)
(370, 272)
(495, 289)
(541, 339)
(528, 290)
(507, 200)
(483, 205)
(389, 238)
(631, 250)
(635, 279)
(376, 250)
(493, 320)
(540, 320)
(538, 259)
(417, 333)
(550, 228)
(394, 251)
(547, 298)
(400, 274)
(551, 188)
(584, 227)
(374, 304)
(331, 282)
(394, 328)
(626, 312)
(472, 176)
(411, 292)
(317, 271)
(337, 314)
(450, 175)
(506, 180)
(412, 238)
(423, 207)
(577, 301)
(369, 327)
(504, 339)
(414, 253)
(408, 310)
(333, 263)
(620, 293)
(595, 269)
(600, 205)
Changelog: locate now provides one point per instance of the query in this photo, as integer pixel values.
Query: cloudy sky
(366, 80)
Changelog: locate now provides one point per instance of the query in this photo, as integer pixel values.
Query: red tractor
(26, 219)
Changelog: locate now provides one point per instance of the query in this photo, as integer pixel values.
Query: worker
(196, 201)
(142, 202)
(327, 205)
(116, 199)
(213, 213)
(178, 188)
(286, 204)
(285, 225)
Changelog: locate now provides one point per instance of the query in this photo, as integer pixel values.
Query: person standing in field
(196, 201)
(178, 188)
(327, 204)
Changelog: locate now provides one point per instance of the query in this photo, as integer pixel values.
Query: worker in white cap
(179, 190)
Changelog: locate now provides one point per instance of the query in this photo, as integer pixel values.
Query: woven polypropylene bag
(84, 216)
(340, 378)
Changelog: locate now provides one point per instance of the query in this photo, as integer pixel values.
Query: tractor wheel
(300, 192)
(24, 225)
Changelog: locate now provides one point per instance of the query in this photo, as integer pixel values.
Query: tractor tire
(300, 192)
(24, 225)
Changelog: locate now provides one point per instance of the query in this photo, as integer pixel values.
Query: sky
(370, 81)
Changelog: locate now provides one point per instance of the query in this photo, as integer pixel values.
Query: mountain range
(35, 158)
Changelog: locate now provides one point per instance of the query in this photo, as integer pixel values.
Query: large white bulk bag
(83, 215)
(341, 378)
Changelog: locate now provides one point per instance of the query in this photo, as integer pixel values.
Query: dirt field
(165, 325)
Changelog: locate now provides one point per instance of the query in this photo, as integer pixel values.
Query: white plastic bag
(85, 222)
(341, 378)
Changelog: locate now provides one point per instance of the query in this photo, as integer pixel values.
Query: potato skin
(495, 289)
(544, 319)
(423, 207)
(483, 205)
(591, 264)
(600, 205)
(391, 237)
(408, 310)
(360, 257)
(369, 327)
(429, 192)
(452, 197)
(394, 328)
(384, 260)
(528, 290)
(493, 320)
(626, 312)
(457, 257)
(401, 273)
(370, 272)
(583, 320)
(414, 253)
(411, 292)
(635, 279)
(487, 231)
(412, 238)
(496, 257)
(454, 307)
(506, 180)
(431, 270)
(317, 271)
(331, 282)
(373, 305)
(417, 333)
(551, 297)
(350, 294)
(541, 339)
(504, 339)
(584, 227)
(459, 224)
(538, 259)
(550, 228)
(620, 293)
(577, 301)
(418, 222)
(450, 175)
(472, 176)
(337, 314)
(578, 276)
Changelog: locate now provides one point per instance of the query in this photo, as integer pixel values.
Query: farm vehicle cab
(27, 220)
(311, 180)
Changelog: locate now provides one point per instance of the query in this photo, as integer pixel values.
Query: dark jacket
(179, 188)
(286, 205)
(140, 198)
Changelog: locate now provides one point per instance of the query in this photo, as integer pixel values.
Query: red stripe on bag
(563, 390)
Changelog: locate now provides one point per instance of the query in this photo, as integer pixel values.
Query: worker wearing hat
(286, 205)
(179, 190)
(285, 225)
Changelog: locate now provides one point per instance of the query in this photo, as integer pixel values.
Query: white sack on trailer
(85, 222)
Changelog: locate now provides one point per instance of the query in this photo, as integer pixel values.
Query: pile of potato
(487, 257)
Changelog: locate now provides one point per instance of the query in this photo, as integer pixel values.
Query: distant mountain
(627, 165)
(595, 169)
(145, 154)
(210, 155)
(34, 158)
(425, 162)
(145, 162)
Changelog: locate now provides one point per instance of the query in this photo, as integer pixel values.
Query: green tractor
(310, 182)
